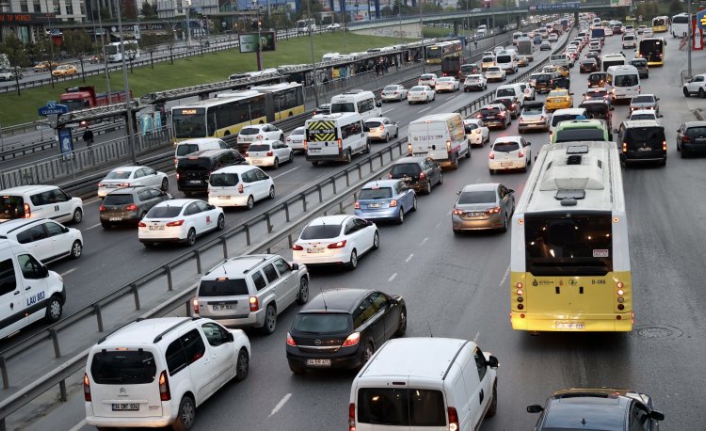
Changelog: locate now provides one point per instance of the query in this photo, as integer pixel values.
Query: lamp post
(105, 57)
(51, 45)
(259, 39)
(688, 35)
(313, 57)
(128, 102)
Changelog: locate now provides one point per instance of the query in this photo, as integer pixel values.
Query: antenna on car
(431, 335)
(323, 298)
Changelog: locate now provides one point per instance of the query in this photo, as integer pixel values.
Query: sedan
(645, 101)
(511, 104)
(258, 132)
(447, 83)
(418, 173)
(495, 115)
(428, 79)
(130, 176)
(333, 27)
(613, 409)
(559, 99)
(545, 46)
(522, 61)
(386, 200)
(510, 153)
(381, 129)
(179, 220)
(295, 140)
(533, 117)
(483, 206)
(393, 92)
(494, 73)
(644, 114)
(342, 328)
(475, 82)
(269, 153)
(553, 37)
(476, 132)
(421, 93)
(127, 206)
(588, 65)
(599, 93)
(335, 240)
(64, 70)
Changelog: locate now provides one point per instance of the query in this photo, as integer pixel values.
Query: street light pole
(105, 57)
(51, 45)
(259, 38)
(313, 57)
(688, 35)
(128, 102)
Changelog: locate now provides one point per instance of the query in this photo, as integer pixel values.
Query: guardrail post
(360, 171)
(304, 200)
(55, 342)
(289, 240)
(168, 271)
(370, 161)
(348, 179)
(225, 247)
(99, 316)
(286, 211)
(3, 370)
(136, 294)
(333, 182)
(188, 308)
(197, 253)
(382, 160)
(62, 391)
(247, 231)
(269, 223)
(318, 189)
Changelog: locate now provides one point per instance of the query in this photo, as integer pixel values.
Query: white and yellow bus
(570, 258)
(660, 24)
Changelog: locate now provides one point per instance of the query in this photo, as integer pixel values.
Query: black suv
(192, 172)
(419, 173)
(511, 104)
(128, 205)
(597, 79)
(495, 115)
(642, 141)
(543, 82)
(598, 109)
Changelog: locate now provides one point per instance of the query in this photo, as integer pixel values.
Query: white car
(428, 79)
(179, 220)
(644, 114)
(381, 129)
(239, 186)
(476, 132)
(421, 93)
(495, 73)
(497, 49)
(553, 37)
(258, 132)
(647, 33)
(447, 83)
(47, 239)
(129, 176)
(475, 82)
(608, 31)
(335, 240)
(269, 153)
(393, 92)
(509, 153)
(528, 90)
(296, 139)
(333, 27)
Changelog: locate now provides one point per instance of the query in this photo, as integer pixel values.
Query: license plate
(256, 161)
(318, 362)
(314, 150)
(156, 227)
(223, 307)
(374, 205)
(644, 149)
(225, 198)
(115, 219)
(568, 325)
(406, 178)
(506, 164)
(315, 250)
(194, 181)
(475, 214)
(127, 407)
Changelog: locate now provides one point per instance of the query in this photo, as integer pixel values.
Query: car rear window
(298, 132)
(390, 88)
(321, 231)
(650, 135)
(124, 367)
(184, 149)
(401, 407)
(322, 323)
(376, 193)
(490, 111)
(225, 287)
(426, 77)
(195, 164)
(580, 135)
(405, 169)
(249, 131)
(696, 132)
(642, 117)
(370, 124)
(488, 59)
(223, 180)
(259, 147)
(118, 175)
(477, 197)
(505, 92)
(639, 63)
(505, 147)
(556, 119)
(11, 207)
(643, 99)
(164, 212)
(468, 127)
(118, 199)
(532, 109)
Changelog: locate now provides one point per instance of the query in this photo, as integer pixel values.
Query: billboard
(620, 3)
(250, 41)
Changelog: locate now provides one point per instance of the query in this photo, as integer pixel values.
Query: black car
(691, 138)
(127, 206)
(606, 409)
(192, 172)
(597, 79)
(342, 328)
(495, 115)
(599, 109)
(545, 46)
(596, 56)
(588, 65)
(560, 82)
(419, 173)
(511, 104)
(543, 82)
(641, 65)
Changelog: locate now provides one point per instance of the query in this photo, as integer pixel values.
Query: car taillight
(175, 223)
(479, 115)
(521, 154)
(625, 147)
(86, 388)
(352, 340)
(409, 149)
(290, 341)
(448, 146)
(241, 188)
(247, 154)
(178, 176)
(340, 144)
(269, 154)
(164, 392)
(141, 224)
(196, 306)
(101, 208)
(393, 203)
(131, 207)
(685, 139)
(339, 244)
(492, 155)
(259, 137)
(664, 145)
(382, 127)
(494, 210)
(356, 205)
(453, 419)
(101, 185)
(289, 139)
(297, 247)
(254, 303)
(457, 211)
(124, 185)
(306, 145)
(423, 176)
(424, 93)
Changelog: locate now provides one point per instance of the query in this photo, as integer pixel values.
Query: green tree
(147, 10)
(16, 56)
(78, 45)
(149, 42)
(675, 7)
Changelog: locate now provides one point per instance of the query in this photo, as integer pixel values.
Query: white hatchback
(179, 220)
(381, 129)
(421, 93)
(239, 186)
(295, 140)
(258, 132)
(269, 153)
(130, 176)
(509, 153)
(47, 239)
(476, 132)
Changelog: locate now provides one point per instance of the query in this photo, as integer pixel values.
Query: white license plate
(115, 219)
(129, 407)
(568, 325)
(644, 149)
(374, 205)
(406, 178)
(223, 307)
(506, 164)
(156, 227)
(225, 198)
(315, 250)
(476, 214)
(194, 181)
(318, 362)
(314, 150)
(256, 161)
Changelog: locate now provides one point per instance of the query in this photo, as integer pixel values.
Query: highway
(457, 286)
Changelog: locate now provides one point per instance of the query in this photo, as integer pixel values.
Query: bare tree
(79, 45)
(16, 56)
(149, 42)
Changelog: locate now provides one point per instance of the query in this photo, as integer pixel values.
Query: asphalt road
(457, 286)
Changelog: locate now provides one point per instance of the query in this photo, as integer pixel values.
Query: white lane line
(65, 273)
(389, 110)
(392, 277)
(409, 258)
(280, 404)
(475, 339)
(286, 172)
(423, 241)
(507, 272)
(425, 109)
(93, 227)
(437, 225)
(79, 425)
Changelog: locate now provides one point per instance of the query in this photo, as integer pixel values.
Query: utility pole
(105, 57)
(688, 35)
(128, 102)
(313, 57)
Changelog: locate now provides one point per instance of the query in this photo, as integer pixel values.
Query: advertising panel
(249, 42)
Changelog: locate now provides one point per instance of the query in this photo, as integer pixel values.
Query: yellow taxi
(64, 70)
(564, 71)
(559, 99)
(44, 66)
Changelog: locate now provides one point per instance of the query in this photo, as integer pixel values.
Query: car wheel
(702, 94)
(315, 163)
(400, 216)
(683, 154)
(303, 296)
(276, 164)
(281, 137)
(468, 151)
(686, 92)
(78, 216)
(397, 132)
(353, 262)
(76, 250)
(271, 194)
(376, 241)
(492, 171)
(106, 226)
(221, 224)
(349, 157)
(387, 137)
(54, 309)
(165, 185)
(191, 237)
(367, 147)
(148, 244)
(441, 179)
(251, 203)
(414, 203)
(493, 409)
(368, 352)
(427, 190)
(187, 415)
(291, 156)
(242, 366)
(402, 329)
(270, 320)
(504, 226)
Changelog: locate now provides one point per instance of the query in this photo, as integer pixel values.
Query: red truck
(77, 98)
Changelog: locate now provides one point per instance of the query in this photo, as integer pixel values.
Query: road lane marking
(93, 227)
(280, 404)
(507, 271)
(65, 273)
(425, 109)
(79, 425)
(286, 172)
(409, 258)
(392, 277)
(423, 241)
(475, 339)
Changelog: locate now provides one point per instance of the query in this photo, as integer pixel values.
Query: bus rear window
(342, 107)
(580, 135)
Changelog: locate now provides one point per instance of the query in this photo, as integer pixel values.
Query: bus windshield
(433, 52)
(189, 123)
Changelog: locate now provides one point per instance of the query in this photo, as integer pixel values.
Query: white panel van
(358, 101)
(623, 82)
(441, 137)
(335, 137)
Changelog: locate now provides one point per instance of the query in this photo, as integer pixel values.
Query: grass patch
(432, 32)
(212, 67)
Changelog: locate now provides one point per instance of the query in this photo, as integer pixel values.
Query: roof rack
(158, 338)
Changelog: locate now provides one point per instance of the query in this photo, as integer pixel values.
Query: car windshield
(426, 77)
(322, 323)
(164, 212)
(375, 193)
(505, 147)
(488, 59)
(223, 179)
(185, 149)
(118, 199)
(118, 175)
(223, 287)
(259, 147)
(401, 408)
(490, 111)
(249, 131)
(533, 110)
(473, 77)
(445, 80)
(405, 169)
(477, 197)
(321, 231)
(123, 367)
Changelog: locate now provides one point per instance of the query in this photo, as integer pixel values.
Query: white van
(515, 37)
(434, 384)
(186, 148)
(441, 137)
(28, 290)
(608, 60)
(507, 60)
(330, 56)
(335, 137)
(40, 201)
(511, 90)
(566, 114)
(623, 82)
(358, 101)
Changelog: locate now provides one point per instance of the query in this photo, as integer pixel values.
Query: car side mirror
(658, 98)
(369, 223)
(527, 144)
(295, 266)
(43, 272)
(65, 229)
(657, 415)
(230, 337)
(378, 103)
(458, 193)
(660, 116)
(535, 408)
(511, 190)
(492, 362)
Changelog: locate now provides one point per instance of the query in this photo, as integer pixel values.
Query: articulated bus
(436, 52)
(570, 258)
(679, 25)
(653, 50)
(227, 113)
(660, 24)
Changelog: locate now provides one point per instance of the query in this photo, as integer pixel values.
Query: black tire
(403, 323)
(221, 224)
(251, 203)
(493, 409)
(427, 191)
(76, 249)
(353, 263)
(165, 185)
(376, 241)
(291, 156)
(148, 244)
(276, 164)
(686, 92)
(349, 156)
(468, 152)
(106, 226)
(387, 137)
(414, 203)
(54, 309)
(78, 216)
(367, 147)
(702, 94)
(368, 351)
(492, 171)
(504, 226)
(397, 133)
(315, 162)
(281, 137)
(271, 194)
(683, 154)
(303, 295)
(400, 216)
(296, 370)
(441, 179)
(187, 415)
(191, 237)
(270, 320)
(242, 366)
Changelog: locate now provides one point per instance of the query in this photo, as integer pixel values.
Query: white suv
(695, 86)
(256, 133)
(46, 239)
(156, 372)
(40, 201)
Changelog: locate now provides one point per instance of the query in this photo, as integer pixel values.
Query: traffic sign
(701, 19)
(52, 108)
(639, 18)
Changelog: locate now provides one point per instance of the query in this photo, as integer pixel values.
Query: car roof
(587, 409)
(143, 332)
(533, 104)
(689, 123)
(335, 301)
(130, 189)
(126, 168)
(377, 119)
(26, 189)
(14, 224)
(411, 159)
(588, 123)
(481, 187)
(237, 266)
(338, 219)
(176, 202)
(642, 123)
(235, 169)
(505, 139)
(378, 184)
(199, 141)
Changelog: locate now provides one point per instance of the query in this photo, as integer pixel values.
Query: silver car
(381, 129)
(393, 92)
(475, 82)
(494, 73)
(533, 117)
(296, 139)
(483, 206)
(645, 101)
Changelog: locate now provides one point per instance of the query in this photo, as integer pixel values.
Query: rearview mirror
(295, 267)
(535, 408)
(458, 193)
(378, 103)
(492, 362)
(654, 414)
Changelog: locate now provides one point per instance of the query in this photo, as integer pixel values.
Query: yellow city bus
(570, 259)
(660, 24)
(652, 49)
(434, 53)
